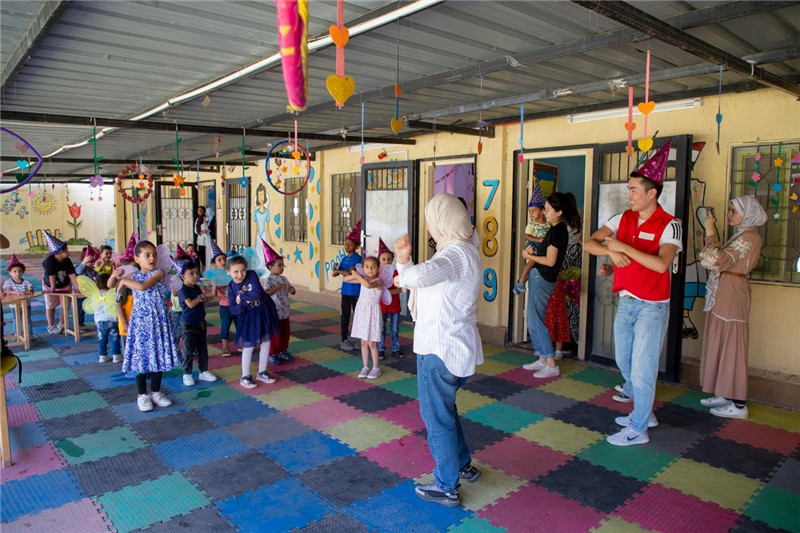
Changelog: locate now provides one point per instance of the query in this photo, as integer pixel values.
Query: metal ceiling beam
(26, 117)
(639, 20)
(416, 124)
(88, 161)
(685, 21)
(613, 84)
(48, 15)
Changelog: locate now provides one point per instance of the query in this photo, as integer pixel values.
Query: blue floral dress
(150, 346)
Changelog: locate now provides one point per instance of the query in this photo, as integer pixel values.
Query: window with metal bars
(294, 212)
(771, 173)
(344, 205)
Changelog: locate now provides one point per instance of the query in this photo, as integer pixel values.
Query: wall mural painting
(335, 261)
(36, 241)
(489, 244)
(261, 215)
(44, 203)
(696, 276)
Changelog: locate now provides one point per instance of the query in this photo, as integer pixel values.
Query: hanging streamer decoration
(339, 85)
(216, 144)
(794, 182)
(719, 108)
(244, 181)
(277, 166)
(131, 171)
(775, 199)
(756, 177)
(645, 108)
(396, 123)
(521, 156)
(21, 164)
(293, 43)
(178, 180)
(97, 179)
(362, 132)
(481, 123)
(630, 125)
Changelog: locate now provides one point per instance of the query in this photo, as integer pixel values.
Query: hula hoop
(268, 172)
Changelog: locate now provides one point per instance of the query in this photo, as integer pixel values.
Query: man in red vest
(642, 243)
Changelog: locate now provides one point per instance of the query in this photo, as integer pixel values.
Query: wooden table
(21, 317)
(75, 330)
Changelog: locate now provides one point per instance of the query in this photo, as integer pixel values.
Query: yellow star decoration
(778, 162)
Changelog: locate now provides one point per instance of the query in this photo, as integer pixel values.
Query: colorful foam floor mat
(321, 450)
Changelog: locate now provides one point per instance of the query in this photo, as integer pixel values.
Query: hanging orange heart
(340, 87)
(480, 147)
(296, 154)
(630, 126)
(646, 108)
(397, 125)
(397, 91)
(340, 36)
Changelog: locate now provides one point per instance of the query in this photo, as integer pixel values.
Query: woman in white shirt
(446, 338)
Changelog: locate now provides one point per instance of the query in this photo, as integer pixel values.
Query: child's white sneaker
(188, 380)
(206, 376)
(160, 400)
(547, 372)
(144, 402)
(364, 372)
(374, 373)
(104, 359)
(265, 377)
(247, 382)
(117, 358)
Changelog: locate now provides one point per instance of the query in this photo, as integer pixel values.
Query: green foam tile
(475, 525)
(69, 405)
(512, 357)
(691, 399)
(345, 365)
(37, 355)
(153, 501)
(405, 386)
(93, 446)
(639, 462)
(217, 394)
(304, 346)
(598, 376)
(47, 376)
(502, 416)
(777, 507)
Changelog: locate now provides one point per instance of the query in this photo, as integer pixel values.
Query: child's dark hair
(106, 247)
(269, 265)
(560, 201)
(102, 281)
(142, 245)
(373, 259)
(127, 262)
(191, 265)
(236, 260)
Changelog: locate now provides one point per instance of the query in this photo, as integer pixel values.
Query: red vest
(636, 279)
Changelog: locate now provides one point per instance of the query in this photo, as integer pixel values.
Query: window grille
(344, 205)
(294, 212)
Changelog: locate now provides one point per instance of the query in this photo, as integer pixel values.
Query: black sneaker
(469, 473)
(430, 493)
(286, 356)
(399, 354)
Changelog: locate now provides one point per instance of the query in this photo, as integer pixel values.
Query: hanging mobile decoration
(244, 181)
(23, 180)
(777, 186)
(362, 132)
(197, 177)
(135, 170)
(480, 122)
(96, 180)
(397, 123)
(630, 125)
(293, 43)
(277, 166)
(521, 156)
(434, 143)
(794, 182)
(756, 177)
(719, 108)
(178, 180)
(340, 86)
(645, 108)
(216, 144)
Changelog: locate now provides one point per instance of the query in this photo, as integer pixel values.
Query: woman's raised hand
(402, 249)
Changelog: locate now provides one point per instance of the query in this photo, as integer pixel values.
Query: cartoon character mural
(696, 276)
(261, 214)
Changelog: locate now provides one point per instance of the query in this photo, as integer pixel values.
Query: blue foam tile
(241, 410)
(26, 435)
(108, 381)
(282, 506)
(15, 397)
(307, 451)
(89, 357)
(186, 452)
(175, 382)
(130, 411)
(37, 493)
(400, 509)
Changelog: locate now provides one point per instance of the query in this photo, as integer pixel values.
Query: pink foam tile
(534, 508)
(23, 413)
(80, 516)
(217, 361)
(655, 508)
(298, 362)
(407, 456)
(604, 400)
(524, 459)
(525, 377)
(323, 414)
(32, 461)
(304, 317)
(11, 382)
(760, 436)
(405, 415)
(339, 386)
(331, 329)
(212, 330)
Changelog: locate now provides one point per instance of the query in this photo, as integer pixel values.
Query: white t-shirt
(672, 234)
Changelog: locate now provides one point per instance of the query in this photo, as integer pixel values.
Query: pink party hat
(537, 198)
(355, 233)
(53, 244)
(216, 251)
(180, 253)
(14, 262)
(382, 247)
(270, 255)
(654, 168)
(128, 254)
(92, 252)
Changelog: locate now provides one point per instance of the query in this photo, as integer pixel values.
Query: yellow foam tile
(615, 524)
(666, 392)
(491, 367)
(570, 367)
(229, 373)
(493, 485)
(570, 388)
(213, 350)
(321, 355)
(490, 349)
(332, 313)
(406, 334)
(366, 432)
(708, 483)
(560, 435)
(467, 401)
(774, 416)
(291, 397)
(389, 374)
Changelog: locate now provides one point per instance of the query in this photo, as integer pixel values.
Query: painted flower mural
(75, 213)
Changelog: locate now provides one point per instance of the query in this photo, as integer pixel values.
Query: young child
(107, 327)
(104, 264)
(278, 287)
(391, 311)
(89, 256)
(350, 291)
(150, 348)
(190, 252)
(367, 317)
(59, 276)
(534, 233)
(18, 286)
(256, 319)
(218, 260)
(193, 322)
(124, 298)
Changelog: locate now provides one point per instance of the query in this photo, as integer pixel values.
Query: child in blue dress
(150, 348)
(256, 319)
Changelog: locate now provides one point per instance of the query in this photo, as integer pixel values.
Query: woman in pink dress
(367, 319)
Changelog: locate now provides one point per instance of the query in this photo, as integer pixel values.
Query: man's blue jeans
(108, 338)
(394, 318)
(639, 330)
(539, 291)
(437, 404)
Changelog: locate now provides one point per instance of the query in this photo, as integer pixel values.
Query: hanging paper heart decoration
(793, 196)
(796, 158)
(629, 149)
(340, 87)
(521, 158)
(20, 147)
(646, 108)
(340, 36)
(22, 164)
(630, 126)
(296, 154)
(645, 144)
(480, 147)
(397, 125)
(397, 91)
(269, 173)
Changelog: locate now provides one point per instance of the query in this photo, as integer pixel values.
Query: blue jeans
(108, 338)
(177, 331)
(539, 291)
(437, 389)
(224, 322)
(394, 319)
(640, 328)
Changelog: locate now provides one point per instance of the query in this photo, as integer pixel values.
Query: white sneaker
(144, 402)
(160, 400)
(730, 411)
(628, 437)
(625, 421)
(714, 401)
(117, 358)
(56, 329)
(559, 355)
(364, 372)
(622, 397)
(207, 376)
(103, 359)
(374, 373)
(188, 380)
(536, 365)
(548, 372)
